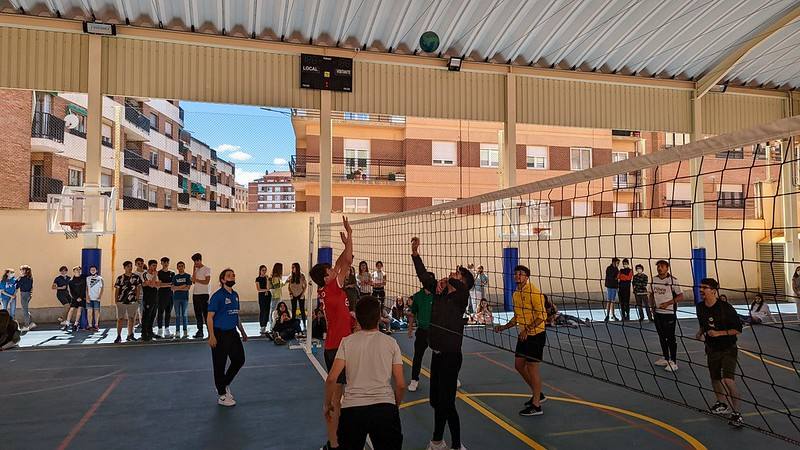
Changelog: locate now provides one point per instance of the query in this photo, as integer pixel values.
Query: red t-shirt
(337, 313)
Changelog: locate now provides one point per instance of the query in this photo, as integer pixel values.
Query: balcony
(134, 203)
(351, 116)
(352, 169)
(77, 132)
(183, 149)
(47, 133)
(183, 198)
(41, 186)
(106, 141)
(213, 180)
(137, 119)
(136, 163)
(630, 180)
(184, 167)
(212, 205)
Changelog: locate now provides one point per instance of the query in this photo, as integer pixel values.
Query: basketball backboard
(82, 210)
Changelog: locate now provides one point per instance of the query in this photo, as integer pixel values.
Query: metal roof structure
(750, 42)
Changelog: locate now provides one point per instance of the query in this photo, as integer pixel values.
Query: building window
(620, 179)
(622, 209)
(356, 159)
(152, 196)
(168, 199)
(168, 129)
(736, 153)
(443, 153)
(679, 195)
(75, 177)
(154, 121)
(269, 198)
(730, 196)
(490, 155)
(106, 135)
(356, 205)
(153, 159)
(439, 201)
(676, 139)
(194, 162)
(581, 208)
(356, 116)
(536, 157)
(168, 165)
(106, 180)
(580, 158)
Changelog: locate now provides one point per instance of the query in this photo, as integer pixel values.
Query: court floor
(79, 393)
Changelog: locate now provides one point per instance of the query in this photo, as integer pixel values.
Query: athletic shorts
(77, 303)
(330, 355)
(532, 348)
(612, 294)
(126, 311)
(94, 304)
(63, 297)
(722, 363)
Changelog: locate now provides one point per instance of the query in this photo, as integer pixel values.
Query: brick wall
(559, 158)
(418, 152)
(386, 149)
(601, 156)
(15, 148)
(469, 154)
(522, 156)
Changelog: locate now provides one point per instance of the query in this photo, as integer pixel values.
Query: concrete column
(509, 149)
(94, 119)
(790, 221)
(699, 269)
(325, 165)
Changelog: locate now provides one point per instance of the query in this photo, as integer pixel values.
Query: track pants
(665, 326)
(264, 312)
(229, 346)
(420, 345)
(164, 309)
(643, 302)
(150, 306)
(444, 379)
(299, 301)
(200, 304)
(625, 301)
(380, 421)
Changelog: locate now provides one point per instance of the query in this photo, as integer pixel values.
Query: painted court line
(465, 396)
(767, 361)
(63, 386)
(85, 419)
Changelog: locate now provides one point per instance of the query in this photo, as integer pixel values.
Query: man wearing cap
(666, 293)
(719, 328)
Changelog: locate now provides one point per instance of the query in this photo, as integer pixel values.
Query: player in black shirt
(719, 328)
(165, 277)
(150, 284)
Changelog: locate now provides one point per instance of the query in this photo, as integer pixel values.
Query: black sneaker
(720, 409)
(131, 338)
(736, 420)
(327, 446)
(118, 340)
(156, 336)
(531, 411)
(542, 399)
(198, 335)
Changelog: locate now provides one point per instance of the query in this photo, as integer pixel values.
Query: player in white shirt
(665, 293)
(201, 276)
(94, 292)
(379, 284)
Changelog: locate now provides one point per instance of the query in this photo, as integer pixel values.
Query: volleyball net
(567, 229)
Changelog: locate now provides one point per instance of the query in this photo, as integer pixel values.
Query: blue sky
(254, 139)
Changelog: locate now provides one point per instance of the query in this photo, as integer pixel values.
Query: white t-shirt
(378, 279)
(368, 356)
(95, 283)
(665, 290)
(761, 312)
(200, 274)
(141, 291)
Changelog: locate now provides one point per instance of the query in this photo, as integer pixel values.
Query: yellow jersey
(529, 307)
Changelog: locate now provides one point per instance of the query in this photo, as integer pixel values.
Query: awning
(75, 109)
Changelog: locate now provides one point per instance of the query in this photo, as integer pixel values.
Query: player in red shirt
(329, 282)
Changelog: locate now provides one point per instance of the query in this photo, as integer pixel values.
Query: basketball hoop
(538, 231)
(71, 229)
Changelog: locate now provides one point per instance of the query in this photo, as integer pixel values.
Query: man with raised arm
(450, 299)
(340, 322)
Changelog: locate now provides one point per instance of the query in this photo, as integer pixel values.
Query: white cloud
(239, 155)
(280, 161)
(222, 148)
(246, 176)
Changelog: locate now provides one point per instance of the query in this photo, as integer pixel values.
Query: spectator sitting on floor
(385, 324)
(484, 314)
(319, 327)
(399, 319)
(285, 329)
(759, 312)
(557, 319)
(280, 308)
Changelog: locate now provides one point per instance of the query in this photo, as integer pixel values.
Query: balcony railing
(212, 205)
(356, 169)
(138, 119)
(134, 203)
(351, 116)
(47, 126)
(183, 198)
(106, 141)
(679, 203)
(213, 180)
(184, 167)
(627, 180)
(41, 186)
(77, 132)
(136, 163)
(182, 148)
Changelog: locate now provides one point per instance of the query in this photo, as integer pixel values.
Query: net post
(698, 205)
(510, 261)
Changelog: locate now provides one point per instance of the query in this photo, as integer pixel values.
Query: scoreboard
(326, 73)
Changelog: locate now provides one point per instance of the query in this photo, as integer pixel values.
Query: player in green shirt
(421, 313)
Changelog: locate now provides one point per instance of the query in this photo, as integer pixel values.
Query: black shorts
(722, 363)
(532, 348)
(77, 303)
(330, 355)
(379, 293)
(63, 297)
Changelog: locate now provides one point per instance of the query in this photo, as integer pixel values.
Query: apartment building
(240, 197)
(385, 164)
(206, 181)
(273, 192)
(40, 154)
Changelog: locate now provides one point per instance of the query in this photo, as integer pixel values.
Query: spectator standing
(95, 286)
(276, 284)
(8, 292)
(364, 279)
(201, 277)
(25, 287)
(612, 287)
(640, 295)
(421, 303)
(126, 299)
(150, 284)
(181, 283)
(796, 290)
(165, 302)
(77, 296)
(351, 288)
(264, 296)
(139, 269)
(625, 278)
(379, 284)
(479, 291)
(297, 292)
(60, 285)
(666, 294)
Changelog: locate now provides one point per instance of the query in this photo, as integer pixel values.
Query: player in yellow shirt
(530, 316)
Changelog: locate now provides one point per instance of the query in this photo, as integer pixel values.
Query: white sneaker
(672, 366)
(161, 332)
(263, 331)
(168, 334)
(661, 362)
(226, 400)
(64, 323)
(32, 326)
(412, 387)
(441, 445)
(228, 392)
(458, 383)
(23, 329)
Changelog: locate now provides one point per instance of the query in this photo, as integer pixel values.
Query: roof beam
(313, 25)
(713, 76)
(431, 18)
(221, 9)
(515, 16)
(474, 38)
(398, 24)
(695, 62)
(650, 35)
(342, 20)
(448, 34)
(369, 31)
(739, 68)
(522, 42)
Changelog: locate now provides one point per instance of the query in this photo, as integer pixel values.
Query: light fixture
(454, 65)
(719, 88)
(105, 29)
